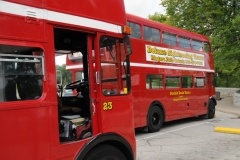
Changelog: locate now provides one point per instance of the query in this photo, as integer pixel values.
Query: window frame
(195, 82)
(150, 77)
(133, 30)
(196, 42)
(172, 87)
(209, 47)
(191, 86)
(184, 38)
(152, 35)
(164, 33)
(27, 59)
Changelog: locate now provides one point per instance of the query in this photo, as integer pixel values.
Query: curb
(227, 130)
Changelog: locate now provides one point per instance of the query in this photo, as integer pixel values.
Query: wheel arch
(160, 105)
(107, 138)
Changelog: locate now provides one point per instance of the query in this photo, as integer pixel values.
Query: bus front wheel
(155, 119)
(105, 152)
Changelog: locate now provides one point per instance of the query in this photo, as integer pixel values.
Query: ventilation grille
(32, 14)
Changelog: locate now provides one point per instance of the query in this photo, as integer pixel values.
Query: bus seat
(66, 110)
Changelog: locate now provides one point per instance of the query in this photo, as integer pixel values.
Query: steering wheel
(76, 84)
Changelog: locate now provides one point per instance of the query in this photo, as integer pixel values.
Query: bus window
(186, 81)
(20, 73)
(114, 77)
(199, 82)
(153, 81)
(136, 30)
(184, 42)
(169, 39)
(79, 75)
(197, 45)
(206, 47)
(172, 82)
(151, 34)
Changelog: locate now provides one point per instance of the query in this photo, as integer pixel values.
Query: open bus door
(112, 78)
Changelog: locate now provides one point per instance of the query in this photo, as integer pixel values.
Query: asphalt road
(191, 139)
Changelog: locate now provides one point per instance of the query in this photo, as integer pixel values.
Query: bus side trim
(168, 67)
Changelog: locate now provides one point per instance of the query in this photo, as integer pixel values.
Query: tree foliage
(220, 21)
(158, 17)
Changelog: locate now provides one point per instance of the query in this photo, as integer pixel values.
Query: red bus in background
(38, 123)
(172, 71)
(171, 74)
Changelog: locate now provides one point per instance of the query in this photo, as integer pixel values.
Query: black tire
(211, 109)
(155, 119)
(105, 152)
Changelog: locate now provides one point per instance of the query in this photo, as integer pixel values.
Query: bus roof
(111, 11)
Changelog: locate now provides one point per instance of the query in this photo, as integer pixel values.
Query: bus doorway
(75, 121)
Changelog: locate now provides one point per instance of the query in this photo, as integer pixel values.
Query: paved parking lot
(191, 139)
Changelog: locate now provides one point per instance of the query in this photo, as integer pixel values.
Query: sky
(143, 8)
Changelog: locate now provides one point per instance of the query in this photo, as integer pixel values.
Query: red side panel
(108, 11)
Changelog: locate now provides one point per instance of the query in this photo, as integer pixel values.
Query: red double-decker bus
(36, 121)
(172, 71)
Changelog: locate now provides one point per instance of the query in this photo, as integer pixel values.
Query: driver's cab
(104, 81)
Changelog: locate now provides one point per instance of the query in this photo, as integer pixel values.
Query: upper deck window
(184, 42)
(169, 39)
(206, 47)
(151, 34)
(197, 45)
(20, 73)
(136, 30)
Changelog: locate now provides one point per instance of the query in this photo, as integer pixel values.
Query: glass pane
(197, 45)
(153, 81)
(172, 82)
(206, 47)
(151, 34)
(147, 33)
(20, 73)
(169, 39)
(155, 35)
(186, 82)
(199, 82)
(184, 42)
(136, 30)
(114, 68)
(79, 75)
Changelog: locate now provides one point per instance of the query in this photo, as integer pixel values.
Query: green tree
(158, 17)
(219, 20)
